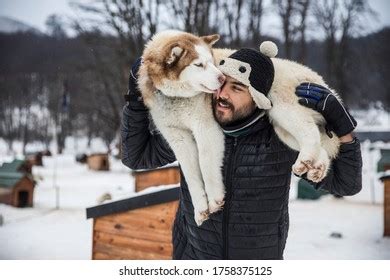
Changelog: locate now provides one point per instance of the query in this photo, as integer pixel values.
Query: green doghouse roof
(12, 166)
(9, 179)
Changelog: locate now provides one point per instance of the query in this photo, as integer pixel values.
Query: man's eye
(237, 88)
(198, 64)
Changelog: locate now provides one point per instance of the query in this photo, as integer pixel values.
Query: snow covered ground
(43, 232)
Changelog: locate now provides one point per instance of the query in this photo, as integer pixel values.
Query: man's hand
(320, 99)
(133, 96)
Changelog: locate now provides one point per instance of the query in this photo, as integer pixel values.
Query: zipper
(225, 225)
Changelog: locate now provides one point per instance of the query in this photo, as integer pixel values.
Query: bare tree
(325, 12)
(255, 12)
(352, 13)
(287, 11)
(303, 9)
(192, 15)
(339, 24)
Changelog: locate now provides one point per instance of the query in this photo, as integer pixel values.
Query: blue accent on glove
(322, 100)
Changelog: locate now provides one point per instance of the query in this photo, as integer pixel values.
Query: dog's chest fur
(182, 113)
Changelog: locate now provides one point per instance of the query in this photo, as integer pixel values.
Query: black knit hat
(254, 69)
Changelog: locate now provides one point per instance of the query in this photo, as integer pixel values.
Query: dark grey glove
(133, 96)
(321, 99)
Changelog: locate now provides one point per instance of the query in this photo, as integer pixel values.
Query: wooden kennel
(156, 177)
(98, 162)
(386, 205)
(16, 184)
(139, 227)
(35, 158)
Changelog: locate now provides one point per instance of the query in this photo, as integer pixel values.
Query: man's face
(232, 103)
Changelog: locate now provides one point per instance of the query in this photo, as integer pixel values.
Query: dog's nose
(221, 79)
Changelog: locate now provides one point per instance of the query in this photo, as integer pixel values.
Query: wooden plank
(134, 243)
(102, 256)
(93, 241)
(386, 207)
(140, 222)
(153, 217)
(158, 177)
(128, 253)
(169, 208)
(131, 231)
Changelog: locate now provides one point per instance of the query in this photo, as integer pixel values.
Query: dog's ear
(176, 52)
(210, 39)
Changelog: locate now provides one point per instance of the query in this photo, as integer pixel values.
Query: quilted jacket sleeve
(345, 175)
(141, 147)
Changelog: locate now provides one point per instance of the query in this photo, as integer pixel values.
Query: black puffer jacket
(257, 173)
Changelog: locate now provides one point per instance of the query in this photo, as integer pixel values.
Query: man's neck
(244, 125)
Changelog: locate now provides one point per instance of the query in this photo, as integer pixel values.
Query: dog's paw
(316, 174)
(215, 197)
(320, 168)
(299, 168)
(215, 206)
(201, 216)
(302, 165)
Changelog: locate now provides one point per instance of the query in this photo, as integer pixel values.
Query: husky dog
(301, 128)
(177, 79)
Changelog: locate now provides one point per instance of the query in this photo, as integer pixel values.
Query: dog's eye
(222, 62)
(242, 69)
(199, 64)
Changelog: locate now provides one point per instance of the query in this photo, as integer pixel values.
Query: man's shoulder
(268, 135)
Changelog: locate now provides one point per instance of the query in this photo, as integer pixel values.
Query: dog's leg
(302, 127)
(211, 146)
(186, 152)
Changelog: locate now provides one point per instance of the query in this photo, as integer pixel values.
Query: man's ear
(210, 39)
(176, 52)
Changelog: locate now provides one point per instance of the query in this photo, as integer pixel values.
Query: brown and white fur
(301, 128)
(177, 79)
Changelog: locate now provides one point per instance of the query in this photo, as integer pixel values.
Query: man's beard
(236, 116)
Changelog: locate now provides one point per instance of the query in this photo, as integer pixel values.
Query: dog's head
(181, 64)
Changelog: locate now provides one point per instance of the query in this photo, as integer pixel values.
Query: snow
(312, 222)
(374, 119)
(44, 232)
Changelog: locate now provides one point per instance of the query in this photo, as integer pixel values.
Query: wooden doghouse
(98, 162)
(156, 177)
(81, 158)
(135, 228)
(35, 158)
(16, 186)
(386, 204)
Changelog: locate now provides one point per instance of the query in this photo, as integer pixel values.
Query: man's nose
(223, 92)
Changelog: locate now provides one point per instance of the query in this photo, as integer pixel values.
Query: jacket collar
(255, 122)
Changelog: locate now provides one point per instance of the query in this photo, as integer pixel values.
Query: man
(257, 168)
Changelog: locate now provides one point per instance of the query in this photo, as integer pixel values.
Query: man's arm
(142, 147)
(345, 173)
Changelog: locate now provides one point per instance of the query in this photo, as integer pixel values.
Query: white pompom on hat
(269, 48)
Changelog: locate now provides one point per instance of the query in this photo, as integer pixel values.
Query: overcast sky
(35, 12)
